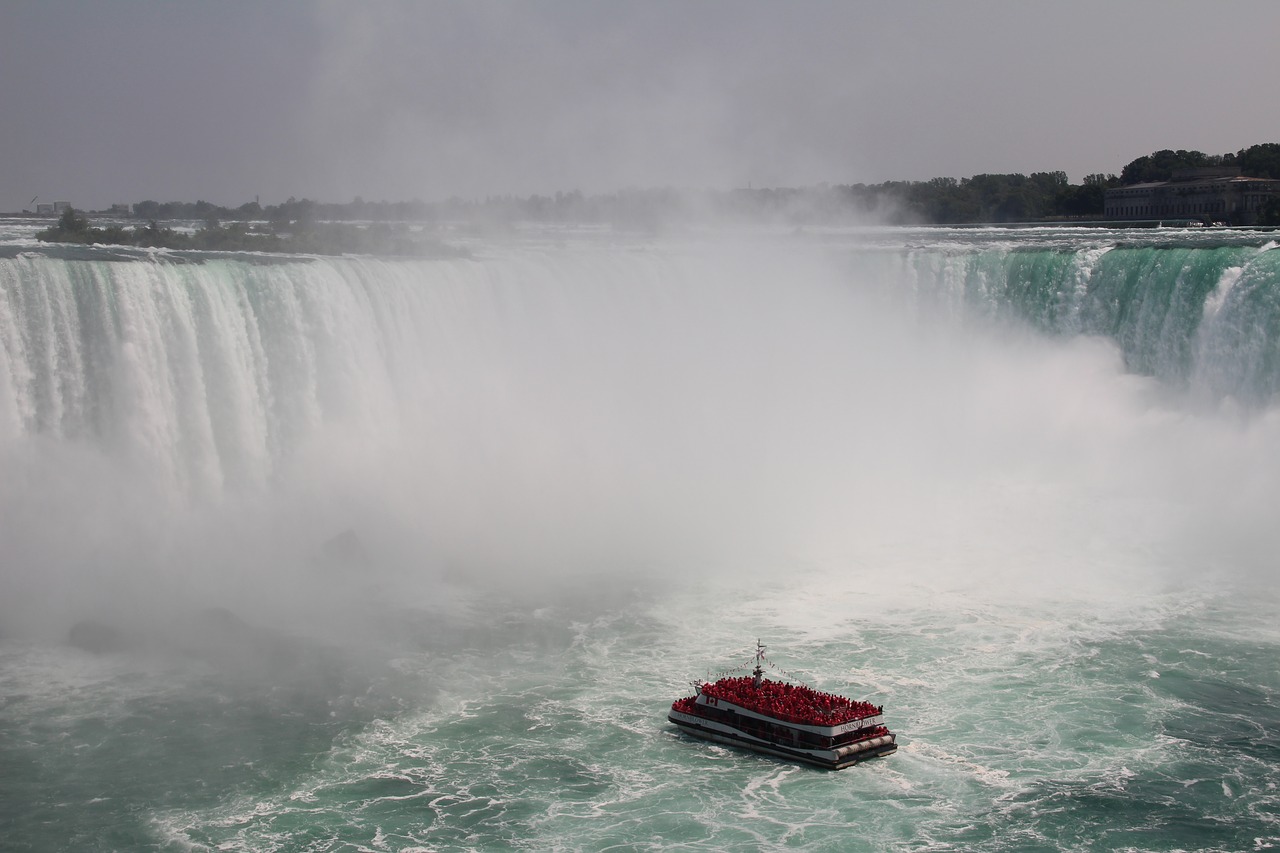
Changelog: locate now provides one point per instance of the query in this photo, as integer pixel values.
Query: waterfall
(1207, 318)
(208, 373)
(172, 420)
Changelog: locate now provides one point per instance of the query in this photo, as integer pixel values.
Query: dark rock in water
(217, 619)
(346, 551)
(96, 637)
(250, 652)
(285, 672)
(221, 637)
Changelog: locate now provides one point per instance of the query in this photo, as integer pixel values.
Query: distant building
(1210, 194)
(119, 209)
(46, 209)
(60, 206)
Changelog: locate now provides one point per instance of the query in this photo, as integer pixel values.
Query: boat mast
(758, 672)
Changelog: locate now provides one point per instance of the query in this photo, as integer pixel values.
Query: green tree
(71, 222)
(1088, 198)
(1260, 161)
(1161, 165)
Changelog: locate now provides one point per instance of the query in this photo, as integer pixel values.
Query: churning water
(381, 554)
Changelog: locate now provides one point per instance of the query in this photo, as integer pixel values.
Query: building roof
(1195, 184)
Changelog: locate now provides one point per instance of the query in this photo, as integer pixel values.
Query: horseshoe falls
(364, 554)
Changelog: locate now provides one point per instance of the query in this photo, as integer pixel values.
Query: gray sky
(104, 102)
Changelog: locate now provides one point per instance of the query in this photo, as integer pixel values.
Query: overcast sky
(104, 102)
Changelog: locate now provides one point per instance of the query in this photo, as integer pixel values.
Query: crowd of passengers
(794, 703)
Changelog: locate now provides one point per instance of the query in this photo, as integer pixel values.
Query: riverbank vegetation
(380, 227)
(302, 236)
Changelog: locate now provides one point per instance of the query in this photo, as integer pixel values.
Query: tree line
(994, 198)
(318, 238)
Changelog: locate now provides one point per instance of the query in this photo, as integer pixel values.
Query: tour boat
(792, 721)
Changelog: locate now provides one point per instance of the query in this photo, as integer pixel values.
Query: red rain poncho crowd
(793, 703)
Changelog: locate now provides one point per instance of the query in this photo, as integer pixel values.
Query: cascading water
(217, 366)
(404, 553)
(1175, 311)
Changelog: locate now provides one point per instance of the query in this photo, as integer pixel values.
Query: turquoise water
(1017, 487)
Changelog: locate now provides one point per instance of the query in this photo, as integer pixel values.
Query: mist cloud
(656, 413)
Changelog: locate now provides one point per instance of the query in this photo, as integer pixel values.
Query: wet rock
(345, 552)
(96, 637)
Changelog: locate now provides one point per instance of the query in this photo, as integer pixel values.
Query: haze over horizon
(111, 103)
